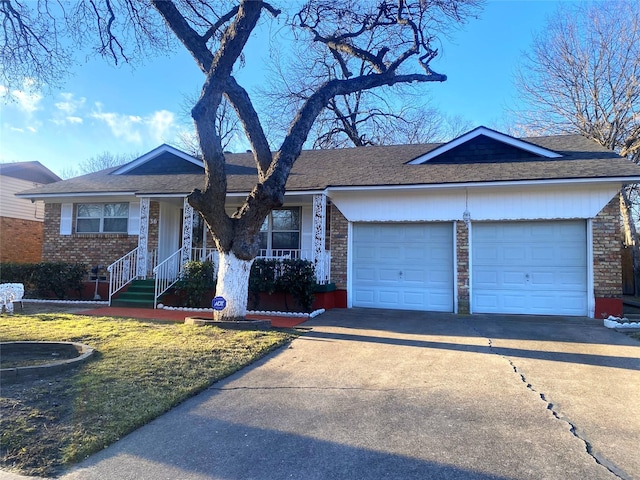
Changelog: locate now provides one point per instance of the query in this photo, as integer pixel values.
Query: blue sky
(122, 110)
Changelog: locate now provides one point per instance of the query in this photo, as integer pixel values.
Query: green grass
(141, 370)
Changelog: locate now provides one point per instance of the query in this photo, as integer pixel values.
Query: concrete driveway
(370, 394)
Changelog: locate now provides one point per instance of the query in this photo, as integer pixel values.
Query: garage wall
(607, 260)
(606, 255)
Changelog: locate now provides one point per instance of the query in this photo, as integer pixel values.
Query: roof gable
(164, 160)
(483, 145)
(29, 171)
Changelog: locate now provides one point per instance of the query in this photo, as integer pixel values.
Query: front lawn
(141, 370)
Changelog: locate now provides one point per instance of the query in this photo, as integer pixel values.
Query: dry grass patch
(141, 370)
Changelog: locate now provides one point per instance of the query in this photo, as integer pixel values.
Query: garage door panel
(512, 279)
(408, 266)
(389, 297)
(364, 296)
(365, 274)
(529, 267)
(414, 276)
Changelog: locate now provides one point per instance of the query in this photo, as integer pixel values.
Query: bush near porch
(274, 284)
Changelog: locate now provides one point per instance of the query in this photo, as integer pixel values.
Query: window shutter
(134, 218)
(66, 218)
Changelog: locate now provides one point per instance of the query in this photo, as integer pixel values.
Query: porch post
(187, 232)
(143, 238)
(319, 235)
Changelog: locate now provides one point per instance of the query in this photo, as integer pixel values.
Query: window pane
(286, 219)
(265, 225)
(116, 210)
(91, 210)
(88, 225)
(285, 240)
(115, 224)
(263, 240)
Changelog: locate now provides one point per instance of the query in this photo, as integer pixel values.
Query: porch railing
(122, 272)
(166, 273)
(322, 264)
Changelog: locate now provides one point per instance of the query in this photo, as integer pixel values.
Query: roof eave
(499, 183)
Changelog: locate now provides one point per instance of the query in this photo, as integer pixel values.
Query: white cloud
(27, 102)
(161, 124)
(69, 104)
(122, 126)
(157, 127)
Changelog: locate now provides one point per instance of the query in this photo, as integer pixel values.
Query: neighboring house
(21, 221)
(486, 223)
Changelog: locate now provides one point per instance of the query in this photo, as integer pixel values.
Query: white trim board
(487, 132)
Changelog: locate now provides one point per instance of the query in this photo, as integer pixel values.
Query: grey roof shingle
(372, 166)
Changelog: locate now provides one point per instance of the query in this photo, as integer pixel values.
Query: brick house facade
(21, 220)
(21, 240)
(483, 183)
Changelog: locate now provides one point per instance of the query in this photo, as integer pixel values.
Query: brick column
(607, 260)
(339, 241)
(462, 266)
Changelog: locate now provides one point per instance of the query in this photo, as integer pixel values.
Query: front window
(102, 218)
(280, 233)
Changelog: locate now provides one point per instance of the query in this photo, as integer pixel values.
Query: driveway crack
(551, 407)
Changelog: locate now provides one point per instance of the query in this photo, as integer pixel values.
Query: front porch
(171, 234)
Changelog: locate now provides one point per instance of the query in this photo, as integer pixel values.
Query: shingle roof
(30, 171)
(373, 166)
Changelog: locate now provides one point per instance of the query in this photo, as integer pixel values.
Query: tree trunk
(233, 286)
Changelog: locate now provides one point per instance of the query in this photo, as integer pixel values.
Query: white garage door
(529, 268)
(403, 266)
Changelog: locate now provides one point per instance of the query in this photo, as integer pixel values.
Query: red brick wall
(607, 260)
(88, 248)
(462, 259)
(20, 240)
(339, 240)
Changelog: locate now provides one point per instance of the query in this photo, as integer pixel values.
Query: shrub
(42, 279)
(293, 276)
(196, 279)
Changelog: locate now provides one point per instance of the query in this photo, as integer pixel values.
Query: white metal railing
(152, 261)
(203, 254)
(122, 272)
(284, 253)
(322, 264)
(166, 274)
(323, 268)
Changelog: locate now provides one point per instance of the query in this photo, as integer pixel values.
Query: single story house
(486, 223)
(21, 221)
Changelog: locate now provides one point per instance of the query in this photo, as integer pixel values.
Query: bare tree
(582, 75)
(227, 124)
(215, 34)
(388, 115)
(98, 162)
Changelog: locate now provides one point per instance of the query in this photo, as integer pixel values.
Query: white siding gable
(14, 207)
